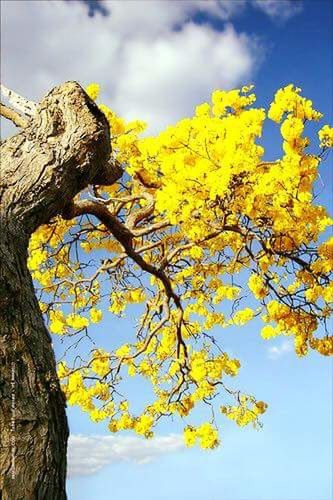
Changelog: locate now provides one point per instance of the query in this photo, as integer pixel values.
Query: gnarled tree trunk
(64, 147)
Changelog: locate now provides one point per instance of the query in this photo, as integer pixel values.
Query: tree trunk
(32, 409)
(65, 147)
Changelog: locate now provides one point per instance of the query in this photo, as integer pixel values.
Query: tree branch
(124, 237)
(20, 103)
(13, 116)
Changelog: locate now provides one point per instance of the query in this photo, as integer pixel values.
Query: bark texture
(64, 147)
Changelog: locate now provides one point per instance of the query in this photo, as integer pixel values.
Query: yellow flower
(190, 435)
(57, 322)
(77, 322)
(63, 370)
(100, 362)
(268, 332)
(257, 286)
(208, 436)
(260, 407)
(93, 90)
(123, 351)
(95, 315)
(143, 424)
(326, 136)
(242, 317)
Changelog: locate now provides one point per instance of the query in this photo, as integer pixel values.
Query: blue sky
(157, 60)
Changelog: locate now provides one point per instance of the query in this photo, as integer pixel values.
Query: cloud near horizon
(87, 455)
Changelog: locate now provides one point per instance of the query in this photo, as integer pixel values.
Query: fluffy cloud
(160, 14)
(275, 352)
(161, 81)
(89, 454)
(154, 64)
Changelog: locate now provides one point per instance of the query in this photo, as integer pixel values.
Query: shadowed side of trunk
(34, 428)
(65, 147)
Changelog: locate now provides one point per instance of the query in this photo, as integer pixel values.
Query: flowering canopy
(198, 220)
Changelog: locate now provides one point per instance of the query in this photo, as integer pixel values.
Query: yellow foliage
(205, 433)
(200, 221)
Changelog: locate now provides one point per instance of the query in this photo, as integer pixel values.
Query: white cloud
(151, 59)
(89, 454)
(147, 68)
(275, 352)
(149, 17)
(280, 10)
(165, 14)
(162, 80)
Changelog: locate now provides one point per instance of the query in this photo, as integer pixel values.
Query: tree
(184, 224)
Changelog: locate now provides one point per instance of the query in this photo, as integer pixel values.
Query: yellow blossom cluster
(203, 368)
(326, 137)
(243, 414)
(242, 317)
(202, 221)
(289, 101)
(298, 323)
(257, 286)
(205, 433)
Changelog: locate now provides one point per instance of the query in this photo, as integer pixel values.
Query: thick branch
(123, 235)
(125, 238)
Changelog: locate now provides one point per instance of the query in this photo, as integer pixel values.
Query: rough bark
(64, 147)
